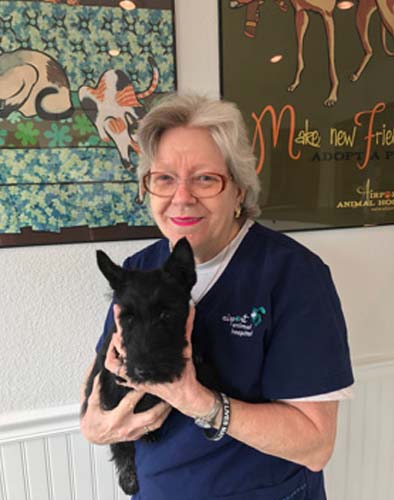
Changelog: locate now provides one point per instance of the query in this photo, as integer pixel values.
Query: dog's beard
(164, 363)
(161, 372)
(154, 343)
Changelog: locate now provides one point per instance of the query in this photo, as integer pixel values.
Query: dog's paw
(292, 87)
(330, 102)
(129, 483)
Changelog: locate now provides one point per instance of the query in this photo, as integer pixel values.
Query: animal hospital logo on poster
(375, 200)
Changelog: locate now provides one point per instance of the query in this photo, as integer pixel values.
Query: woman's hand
(120, 424)
(185, 394)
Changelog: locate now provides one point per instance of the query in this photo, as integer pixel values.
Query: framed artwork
(314, 81)
(75, 78)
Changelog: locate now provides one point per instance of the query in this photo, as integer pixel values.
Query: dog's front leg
(301, 21)
(364, 11)
(330, 33)
(123, 456)
(122, 453)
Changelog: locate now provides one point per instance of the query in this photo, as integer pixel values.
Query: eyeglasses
(201, 185)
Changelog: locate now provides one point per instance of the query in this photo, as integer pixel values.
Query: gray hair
(224, 122)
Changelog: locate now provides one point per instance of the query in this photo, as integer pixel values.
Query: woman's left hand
(185, 394)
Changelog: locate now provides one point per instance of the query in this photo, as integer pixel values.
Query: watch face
(207, 421)
(204, 424)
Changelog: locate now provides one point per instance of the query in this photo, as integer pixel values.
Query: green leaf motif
(83, 125)
(3, 134)
(58, 135)
(27, 134)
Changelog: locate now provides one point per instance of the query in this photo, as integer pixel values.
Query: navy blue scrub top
(273, 327)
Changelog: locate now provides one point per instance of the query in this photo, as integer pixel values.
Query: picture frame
(76, 76)
(319, 109)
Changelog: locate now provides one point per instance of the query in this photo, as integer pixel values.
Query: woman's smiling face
(208, 223)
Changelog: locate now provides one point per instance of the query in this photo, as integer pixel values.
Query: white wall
(53, 299)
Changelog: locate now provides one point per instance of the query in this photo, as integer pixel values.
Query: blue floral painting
(68, 150)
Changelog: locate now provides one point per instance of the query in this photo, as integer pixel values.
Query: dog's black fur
(154, 309)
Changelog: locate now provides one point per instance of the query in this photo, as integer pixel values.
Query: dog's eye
(128, 318)
(165, 315)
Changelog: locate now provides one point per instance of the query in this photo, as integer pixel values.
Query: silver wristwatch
(207, 421)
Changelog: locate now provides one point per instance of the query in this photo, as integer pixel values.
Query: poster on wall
(315, 83)
(75, 78)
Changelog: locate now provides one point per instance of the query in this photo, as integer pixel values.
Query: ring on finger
(146, 429)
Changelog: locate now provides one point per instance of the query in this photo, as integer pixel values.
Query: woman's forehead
(188, 146)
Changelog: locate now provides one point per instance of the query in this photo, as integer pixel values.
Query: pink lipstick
(185, 221)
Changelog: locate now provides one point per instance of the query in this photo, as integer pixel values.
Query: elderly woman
(266, 314)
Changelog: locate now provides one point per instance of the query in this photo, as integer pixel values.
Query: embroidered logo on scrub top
(243, 326)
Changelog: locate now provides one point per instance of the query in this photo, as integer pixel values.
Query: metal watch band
(216, 435)
(207, 421)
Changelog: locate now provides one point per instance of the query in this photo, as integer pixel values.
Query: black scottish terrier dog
(154, 309)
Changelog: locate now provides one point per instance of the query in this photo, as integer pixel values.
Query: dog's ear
(180, 263)
(113, 272)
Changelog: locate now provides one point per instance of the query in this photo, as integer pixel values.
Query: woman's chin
(193, 228)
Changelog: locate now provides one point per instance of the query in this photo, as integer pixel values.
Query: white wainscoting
(44, 457)
(362, 467)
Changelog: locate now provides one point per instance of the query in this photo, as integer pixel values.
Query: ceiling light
(345, 5)
(127, 5)
(276, 59)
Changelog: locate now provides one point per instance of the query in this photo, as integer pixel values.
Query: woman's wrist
(200, 403)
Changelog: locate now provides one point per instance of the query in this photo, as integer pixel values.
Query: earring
(139, 199)
(237, 213)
